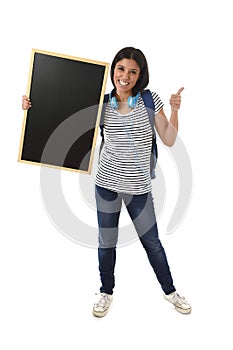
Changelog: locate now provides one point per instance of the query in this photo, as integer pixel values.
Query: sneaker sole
(183, 311)
(99, 314)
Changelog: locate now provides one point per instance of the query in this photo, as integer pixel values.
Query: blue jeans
(141, 211)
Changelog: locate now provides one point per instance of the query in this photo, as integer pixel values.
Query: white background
(48, 281)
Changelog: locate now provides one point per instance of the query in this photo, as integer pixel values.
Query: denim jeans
(142, 214)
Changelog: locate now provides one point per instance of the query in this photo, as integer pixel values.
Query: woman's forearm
(171, 130)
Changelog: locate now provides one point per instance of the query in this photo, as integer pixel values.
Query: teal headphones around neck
(132, 101)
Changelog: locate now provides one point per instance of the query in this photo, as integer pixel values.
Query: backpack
(149, 103)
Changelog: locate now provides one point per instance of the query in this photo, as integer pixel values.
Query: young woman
(124, 173)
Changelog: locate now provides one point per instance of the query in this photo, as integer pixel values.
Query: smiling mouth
(122, 83)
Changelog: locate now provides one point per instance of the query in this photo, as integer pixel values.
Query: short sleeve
(157, 102)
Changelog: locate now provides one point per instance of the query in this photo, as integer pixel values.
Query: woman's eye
(121, 68)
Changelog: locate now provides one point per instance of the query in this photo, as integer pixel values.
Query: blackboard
(60, 129)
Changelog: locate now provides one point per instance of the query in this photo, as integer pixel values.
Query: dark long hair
(138, 56)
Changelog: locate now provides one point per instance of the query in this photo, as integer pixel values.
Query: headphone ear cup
(132, 101)
(113, 102)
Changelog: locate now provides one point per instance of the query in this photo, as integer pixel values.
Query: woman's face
(126, 74)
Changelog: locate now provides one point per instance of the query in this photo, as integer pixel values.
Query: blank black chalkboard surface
(61, 127)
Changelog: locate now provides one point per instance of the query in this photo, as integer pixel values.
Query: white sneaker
(179, 302)
(102, 304)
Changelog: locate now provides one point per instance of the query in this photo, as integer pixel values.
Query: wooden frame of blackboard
(61, 128)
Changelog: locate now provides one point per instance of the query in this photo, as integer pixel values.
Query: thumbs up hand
(175, 100)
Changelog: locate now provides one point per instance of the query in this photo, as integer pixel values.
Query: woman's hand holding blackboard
(26, 103)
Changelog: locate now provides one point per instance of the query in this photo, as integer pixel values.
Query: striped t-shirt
(124, 164)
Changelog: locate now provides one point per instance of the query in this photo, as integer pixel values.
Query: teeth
(123, 83)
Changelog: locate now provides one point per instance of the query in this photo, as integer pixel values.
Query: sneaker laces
(104, 299)
(178, 298)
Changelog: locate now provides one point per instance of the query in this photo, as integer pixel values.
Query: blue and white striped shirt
(124, 165)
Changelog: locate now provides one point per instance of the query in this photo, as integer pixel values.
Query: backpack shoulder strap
(106, 98)
(149, 103)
